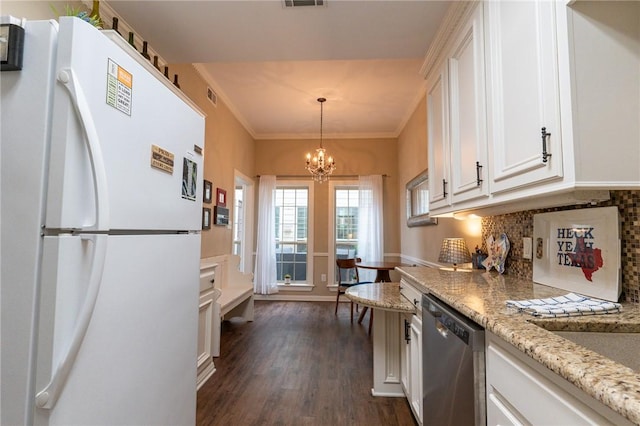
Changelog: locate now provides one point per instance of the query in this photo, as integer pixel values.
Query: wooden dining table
(382, 269)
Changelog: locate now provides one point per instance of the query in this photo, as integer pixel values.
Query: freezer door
(23, 160)
(126, 151)
(136, 362)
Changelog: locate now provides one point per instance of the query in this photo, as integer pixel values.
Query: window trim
(420, 218)
(282, 183)
(247, 264)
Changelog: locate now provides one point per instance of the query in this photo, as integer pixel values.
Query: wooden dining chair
(347, 277)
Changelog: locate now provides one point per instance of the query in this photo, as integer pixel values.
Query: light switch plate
(527, 248)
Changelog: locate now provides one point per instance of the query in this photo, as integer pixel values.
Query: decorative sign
(189, 179)
(207, 192)
(119, 87)
(221, 197)
(576, 250)
(162, 159)
(579, 250)
(206, 218)
(220, 216)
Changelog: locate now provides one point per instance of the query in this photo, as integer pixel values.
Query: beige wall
(353, 157)
(228, 147)
(35, 10)
(422, 244)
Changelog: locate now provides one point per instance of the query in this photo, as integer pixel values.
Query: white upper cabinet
(438, 136)
(543, 96)
(456, 116)
(602, 92)
(467, 112)
(523, 93)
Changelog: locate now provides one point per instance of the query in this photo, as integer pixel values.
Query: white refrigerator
(101, 167)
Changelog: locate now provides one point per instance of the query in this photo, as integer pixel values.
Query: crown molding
(456, 15)
(208, 78)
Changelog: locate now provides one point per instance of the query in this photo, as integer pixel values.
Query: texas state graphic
(589, 259)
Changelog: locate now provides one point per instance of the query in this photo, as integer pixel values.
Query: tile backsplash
(520, 224)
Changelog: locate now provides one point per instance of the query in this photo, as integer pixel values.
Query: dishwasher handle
(440, 328)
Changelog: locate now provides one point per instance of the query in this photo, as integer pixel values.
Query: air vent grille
(297, 3)
(211, 95)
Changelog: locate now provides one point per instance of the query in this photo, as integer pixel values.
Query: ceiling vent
(297, 3)
(211, 95)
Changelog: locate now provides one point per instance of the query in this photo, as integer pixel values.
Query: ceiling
(269, 63)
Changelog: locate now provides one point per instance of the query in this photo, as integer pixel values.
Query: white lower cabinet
(411, 362)
(405, 353)
(521, 391)
(411, 351)
(415, 396)
(208, 319)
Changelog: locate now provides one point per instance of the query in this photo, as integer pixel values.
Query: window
(343, 237)
(418, 201)
(346, 223)
(292, 232)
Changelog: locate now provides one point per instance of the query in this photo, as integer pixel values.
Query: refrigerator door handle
(69, 80)
(48, 397)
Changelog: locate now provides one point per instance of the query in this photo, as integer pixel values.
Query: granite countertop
(384, 296)
(481, 296)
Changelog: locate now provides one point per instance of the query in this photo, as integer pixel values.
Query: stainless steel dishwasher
(453, 366)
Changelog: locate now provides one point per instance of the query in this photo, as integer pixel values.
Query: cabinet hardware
(213, 280)
(444, 188)
(545, 154)
(478, 170)
(416, 301)
(539, 248)
(407, 335)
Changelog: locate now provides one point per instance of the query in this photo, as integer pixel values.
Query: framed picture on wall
(221, 197)
(207, 192)
(206, 218)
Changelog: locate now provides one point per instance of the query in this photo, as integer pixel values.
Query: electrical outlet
(323, 278)
(527, 247)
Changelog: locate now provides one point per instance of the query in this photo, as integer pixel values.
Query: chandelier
(320, 165)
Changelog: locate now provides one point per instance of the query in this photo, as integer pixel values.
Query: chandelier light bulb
(320, 168)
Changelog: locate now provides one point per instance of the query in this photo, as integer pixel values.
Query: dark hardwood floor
(296, 364)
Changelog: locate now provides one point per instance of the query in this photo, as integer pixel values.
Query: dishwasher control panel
(449, 323)
(447, 320)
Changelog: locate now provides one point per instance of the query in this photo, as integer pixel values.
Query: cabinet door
(415, 398)
(467, 112)
(498, 413)
(405, 354)
(438, 139)
(522, 87)
(523, 391)
(206, 366)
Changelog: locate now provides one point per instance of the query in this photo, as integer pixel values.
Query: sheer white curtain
(370, 226)
(264, 281)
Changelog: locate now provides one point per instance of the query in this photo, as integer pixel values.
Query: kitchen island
(388, 303)
(481, 296)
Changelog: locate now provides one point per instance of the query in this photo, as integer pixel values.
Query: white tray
(555, 242)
